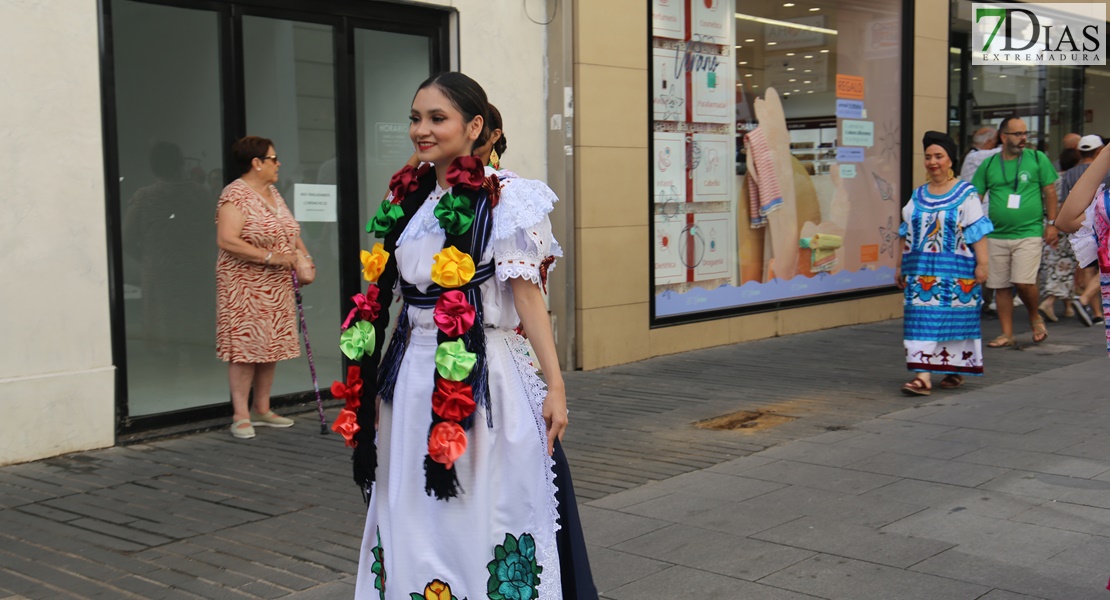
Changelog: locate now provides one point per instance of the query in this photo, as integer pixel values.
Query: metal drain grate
(745, 420)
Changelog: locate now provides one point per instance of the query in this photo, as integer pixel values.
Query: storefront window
(776, 151)
(1053, 100)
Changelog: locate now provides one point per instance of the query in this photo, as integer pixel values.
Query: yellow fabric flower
(452, 268)
(373, 263)
(437, 590)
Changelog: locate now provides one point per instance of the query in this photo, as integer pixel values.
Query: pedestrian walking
(984, 143)
(1019, 183)
(1085, 215)
(466, 427)
(941, 269)
(260, 244)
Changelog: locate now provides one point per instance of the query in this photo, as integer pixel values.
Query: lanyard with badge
(1014, 200)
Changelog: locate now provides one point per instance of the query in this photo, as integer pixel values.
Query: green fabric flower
(454, 213)
(514, 573)
(386, 218)
(453, 361)
(357, 340)
(378, 569)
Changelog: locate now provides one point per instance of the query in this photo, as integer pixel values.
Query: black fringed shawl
(477, 195)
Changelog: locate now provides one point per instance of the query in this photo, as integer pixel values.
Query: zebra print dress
(255, 306)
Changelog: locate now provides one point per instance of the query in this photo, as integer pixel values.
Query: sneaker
(242, 429)
(1083, 312)
(270, 419)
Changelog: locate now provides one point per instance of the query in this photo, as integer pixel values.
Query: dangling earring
(494, 159)
(951, 174)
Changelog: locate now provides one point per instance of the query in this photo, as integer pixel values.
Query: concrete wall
(56, 373)
(611, 146)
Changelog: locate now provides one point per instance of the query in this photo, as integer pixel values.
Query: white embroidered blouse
(520, 242)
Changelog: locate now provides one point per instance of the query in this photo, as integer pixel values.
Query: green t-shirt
(996, 177)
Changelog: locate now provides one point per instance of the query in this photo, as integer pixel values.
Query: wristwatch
(1052, 222)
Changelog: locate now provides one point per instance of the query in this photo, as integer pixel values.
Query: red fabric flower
(453, 314)
(492, 185)
(405, 181)
(352, 390)
(446, 443)
(366, 307)
(545, 264)
(452, 400)
(346, 425)
(467, 172)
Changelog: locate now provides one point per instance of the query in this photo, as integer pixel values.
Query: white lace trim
(523, 203)
(551, 581)
(1084, 242)
(424, 221)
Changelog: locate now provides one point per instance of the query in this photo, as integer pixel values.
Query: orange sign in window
(849, 86)
(869, 253)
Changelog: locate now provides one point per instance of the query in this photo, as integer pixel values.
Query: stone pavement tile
(953, 498)
(987, 418)
(840, 578)
(145, 588)
(903, 428)
(683, 582)
(719, 486)
(738, 466)
(607, 528)
(1089, 492)
(1092, 555)
(859, 510)
(1040, 462)
(829, 455)
(335, 590)
(831, 536)
(988, 537)
(816, 476)
(1054, 582)
(717, 552)
(636, 495)
(612, 569)
(929, 469)
(1049, 438)
(1004, 595)
(834, 436)
(713, 515)
(1071, 517)
(1092, 447)
(40, 574)
(18, 523)
(914, 446)
(921, 410)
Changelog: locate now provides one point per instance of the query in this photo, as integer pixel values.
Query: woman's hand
(284, 261)
(555, 415)
(980, 274)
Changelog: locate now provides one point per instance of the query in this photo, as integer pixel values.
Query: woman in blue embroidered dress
(941, 269)
(461, 491)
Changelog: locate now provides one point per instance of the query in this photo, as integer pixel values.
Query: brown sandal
(1002, 341)
(1040, 330)
(916, 387)
(951, 382)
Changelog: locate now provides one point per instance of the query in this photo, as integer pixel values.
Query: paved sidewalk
(995, 491)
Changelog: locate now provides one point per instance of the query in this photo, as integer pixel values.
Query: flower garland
(461, 372)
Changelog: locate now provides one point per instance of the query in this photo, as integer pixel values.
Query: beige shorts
(1013, 261)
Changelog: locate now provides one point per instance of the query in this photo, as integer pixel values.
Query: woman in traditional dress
(461, 490)
(259, 243)
(942, 268)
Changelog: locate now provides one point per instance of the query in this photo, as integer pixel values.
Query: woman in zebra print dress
(259, 242)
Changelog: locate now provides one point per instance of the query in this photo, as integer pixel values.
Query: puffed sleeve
(523, 245)
(976, 225)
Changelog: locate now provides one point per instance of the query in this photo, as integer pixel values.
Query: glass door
(289, 91)
(185, 78)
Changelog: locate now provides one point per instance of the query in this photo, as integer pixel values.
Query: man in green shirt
(1019, 184)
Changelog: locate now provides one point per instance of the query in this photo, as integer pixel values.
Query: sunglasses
(272, 157)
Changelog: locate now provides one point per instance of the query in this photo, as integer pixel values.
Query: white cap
(1090, 142)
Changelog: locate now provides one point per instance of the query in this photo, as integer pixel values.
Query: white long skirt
(505, 516)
